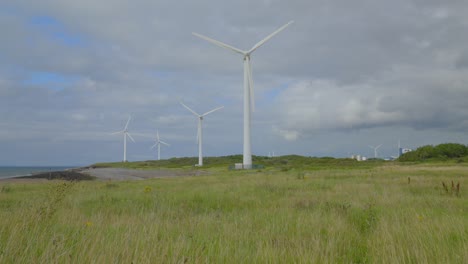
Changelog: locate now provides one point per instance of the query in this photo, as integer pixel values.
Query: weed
(359, 253)
(111, 185)
(305, 205)
(56, 196)
(445, 187)
(339, 207)
(455, 189)
(365, 219)
(300, 175)
(5, 189)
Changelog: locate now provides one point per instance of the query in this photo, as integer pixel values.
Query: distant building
(358, 157)
(402, 151)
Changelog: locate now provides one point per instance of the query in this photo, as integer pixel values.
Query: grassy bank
(283, 163)
(348, 213)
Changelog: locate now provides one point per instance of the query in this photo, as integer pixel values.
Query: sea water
(8, 172)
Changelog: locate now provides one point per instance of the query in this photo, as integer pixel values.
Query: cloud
(342, 68)
(289, 135)
(428, 98)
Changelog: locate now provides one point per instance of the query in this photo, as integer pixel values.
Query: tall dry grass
(324, 216)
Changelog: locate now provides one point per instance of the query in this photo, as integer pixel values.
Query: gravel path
(129, 174)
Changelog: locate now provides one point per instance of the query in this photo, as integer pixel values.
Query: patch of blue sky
(273, 93)
(44, 21)
(56, 30)
(53, 81)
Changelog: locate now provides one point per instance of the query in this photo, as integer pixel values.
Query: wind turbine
(125, 134)
(399, 149)
(199, 133)
(248, 88)
(158, 143)
(375, 149)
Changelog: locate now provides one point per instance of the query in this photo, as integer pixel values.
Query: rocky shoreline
(114, 174)
(68, 175)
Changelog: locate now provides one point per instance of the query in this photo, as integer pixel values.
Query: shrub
(439, 152)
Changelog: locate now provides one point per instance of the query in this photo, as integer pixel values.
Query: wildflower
(147, 189)
(89, 223)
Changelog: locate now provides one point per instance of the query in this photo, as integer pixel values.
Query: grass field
(322, 212)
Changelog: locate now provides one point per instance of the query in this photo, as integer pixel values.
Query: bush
(439, 152)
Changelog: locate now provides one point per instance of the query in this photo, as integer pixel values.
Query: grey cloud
(348, 69)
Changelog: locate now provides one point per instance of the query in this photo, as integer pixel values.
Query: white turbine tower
(125, 134)
(200, 132)
(399, 149)
(158, 143)
(248, 88)
(375, 149)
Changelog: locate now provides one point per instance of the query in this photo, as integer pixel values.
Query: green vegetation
(441, 152)
(284, 163)
(327, 211)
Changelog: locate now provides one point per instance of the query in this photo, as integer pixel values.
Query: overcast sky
(345, 75)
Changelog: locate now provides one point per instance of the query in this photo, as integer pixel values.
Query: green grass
(330, 211)
(284, 163)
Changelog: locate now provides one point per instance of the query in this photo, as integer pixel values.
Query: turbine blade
(219, 43)
(251, 87)
(378, 146)
(214, 110)
(162, 142)
(157, 135)
(118, 132)
(128, 121)
(260, 43)
(130, 136)
(188, 108)
(154, 145)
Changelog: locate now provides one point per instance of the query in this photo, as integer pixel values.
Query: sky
(345, 75)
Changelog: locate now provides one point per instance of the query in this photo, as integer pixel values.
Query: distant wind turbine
(248, 88)
(158, 143)
(125, 134)
(200, 130)
(375, 149)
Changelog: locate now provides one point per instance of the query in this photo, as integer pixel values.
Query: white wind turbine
(248, 88)
(125, 134)
(375, 149)
(158, 143)
(199, 133)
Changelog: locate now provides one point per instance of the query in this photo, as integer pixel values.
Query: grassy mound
(284, 163)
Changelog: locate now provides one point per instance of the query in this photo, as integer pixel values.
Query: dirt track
(129, 174)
